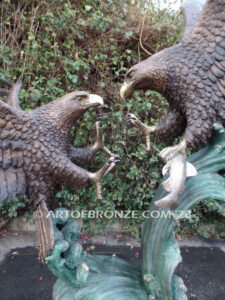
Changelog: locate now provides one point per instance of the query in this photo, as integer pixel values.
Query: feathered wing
(191, 10)
(12, 94)
(6, 109)
(12, 184)
(207, 41)
(209, 29)
(209, 36)
(44, 230)
(13, 97)
(12, 178)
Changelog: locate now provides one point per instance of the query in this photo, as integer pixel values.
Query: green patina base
(85, 276)
(89, 277)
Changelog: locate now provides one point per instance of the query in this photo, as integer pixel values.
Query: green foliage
(207, 219)
(11, 208)
(58, 46)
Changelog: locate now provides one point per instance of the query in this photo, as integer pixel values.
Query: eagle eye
(81, 97)
(129, 74)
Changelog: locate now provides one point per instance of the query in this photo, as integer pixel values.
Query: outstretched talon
(99, 145)
(147, 130)
(97, 177)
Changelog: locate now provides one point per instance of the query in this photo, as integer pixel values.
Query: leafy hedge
(57, 46)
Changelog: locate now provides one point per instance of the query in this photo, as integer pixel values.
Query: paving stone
(22, 277)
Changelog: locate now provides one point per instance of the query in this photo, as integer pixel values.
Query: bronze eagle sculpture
(190, 75)
(36, 155)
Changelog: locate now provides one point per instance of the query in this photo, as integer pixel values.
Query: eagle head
(148, 74)
(80, 100)
(66, 110)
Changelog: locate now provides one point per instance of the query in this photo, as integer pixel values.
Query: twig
(140, 39)
(139, 54)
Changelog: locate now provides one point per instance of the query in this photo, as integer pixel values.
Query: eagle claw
(131, 118)
(99, 145)
(97, 177)
(114, 159)
(147, 130)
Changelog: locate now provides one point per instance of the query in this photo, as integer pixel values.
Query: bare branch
(140, 39)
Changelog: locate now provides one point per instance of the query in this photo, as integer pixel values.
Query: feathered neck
(60, 115)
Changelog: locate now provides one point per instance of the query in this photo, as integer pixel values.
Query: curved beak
(126, 90)
(95, 100)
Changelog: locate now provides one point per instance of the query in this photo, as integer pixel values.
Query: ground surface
(22, 277)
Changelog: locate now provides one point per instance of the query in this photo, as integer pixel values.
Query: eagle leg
(97, 177)
(84, 156)
(74, 176)
(99, 145)
(147, 130)
(81, 156)
(171, 126)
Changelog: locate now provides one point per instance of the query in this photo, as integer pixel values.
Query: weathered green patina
(96, 277)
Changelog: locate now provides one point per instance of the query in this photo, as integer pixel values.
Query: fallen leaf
(137, 254)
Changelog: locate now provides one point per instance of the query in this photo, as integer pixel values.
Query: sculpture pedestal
(88, 277)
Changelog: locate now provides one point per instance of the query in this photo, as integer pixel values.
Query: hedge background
(59, 46)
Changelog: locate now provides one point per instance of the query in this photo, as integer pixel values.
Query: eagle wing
(12, 177)
(208, 38)
(6, 109)
(12, 184)
(12, 95)
(191, 10)
(208, 33)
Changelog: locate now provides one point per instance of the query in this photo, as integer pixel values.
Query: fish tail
(167, 202)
